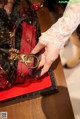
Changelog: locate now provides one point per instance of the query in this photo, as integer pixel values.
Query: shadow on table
(58, 106)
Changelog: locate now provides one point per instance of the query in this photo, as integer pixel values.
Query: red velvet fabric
(28, 41)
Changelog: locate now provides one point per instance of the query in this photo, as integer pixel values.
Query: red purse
(24, 83)
(11, 74)
(17, 66)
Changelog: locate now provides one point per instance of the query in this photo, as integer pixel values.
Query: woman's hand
(55, 37)
(48, 57)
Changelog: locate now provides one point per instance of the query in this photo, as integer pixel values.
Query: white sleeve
(59, 32)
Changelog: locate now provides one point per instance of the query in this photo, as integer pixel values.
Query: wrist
(45, 40)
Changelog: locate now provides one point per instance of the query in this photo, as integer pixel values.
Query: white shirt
(59, 32)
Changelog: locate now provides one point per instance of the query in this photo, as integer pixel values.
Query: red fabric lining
(29, 87)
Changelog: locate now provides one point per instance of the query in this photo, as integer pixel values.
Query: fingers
(50, 57)
(37, 48)
(42, 70)
(42, 62)
(45, 68)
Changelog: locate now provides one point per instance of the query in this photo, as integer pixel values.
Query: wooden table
(54, 106)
